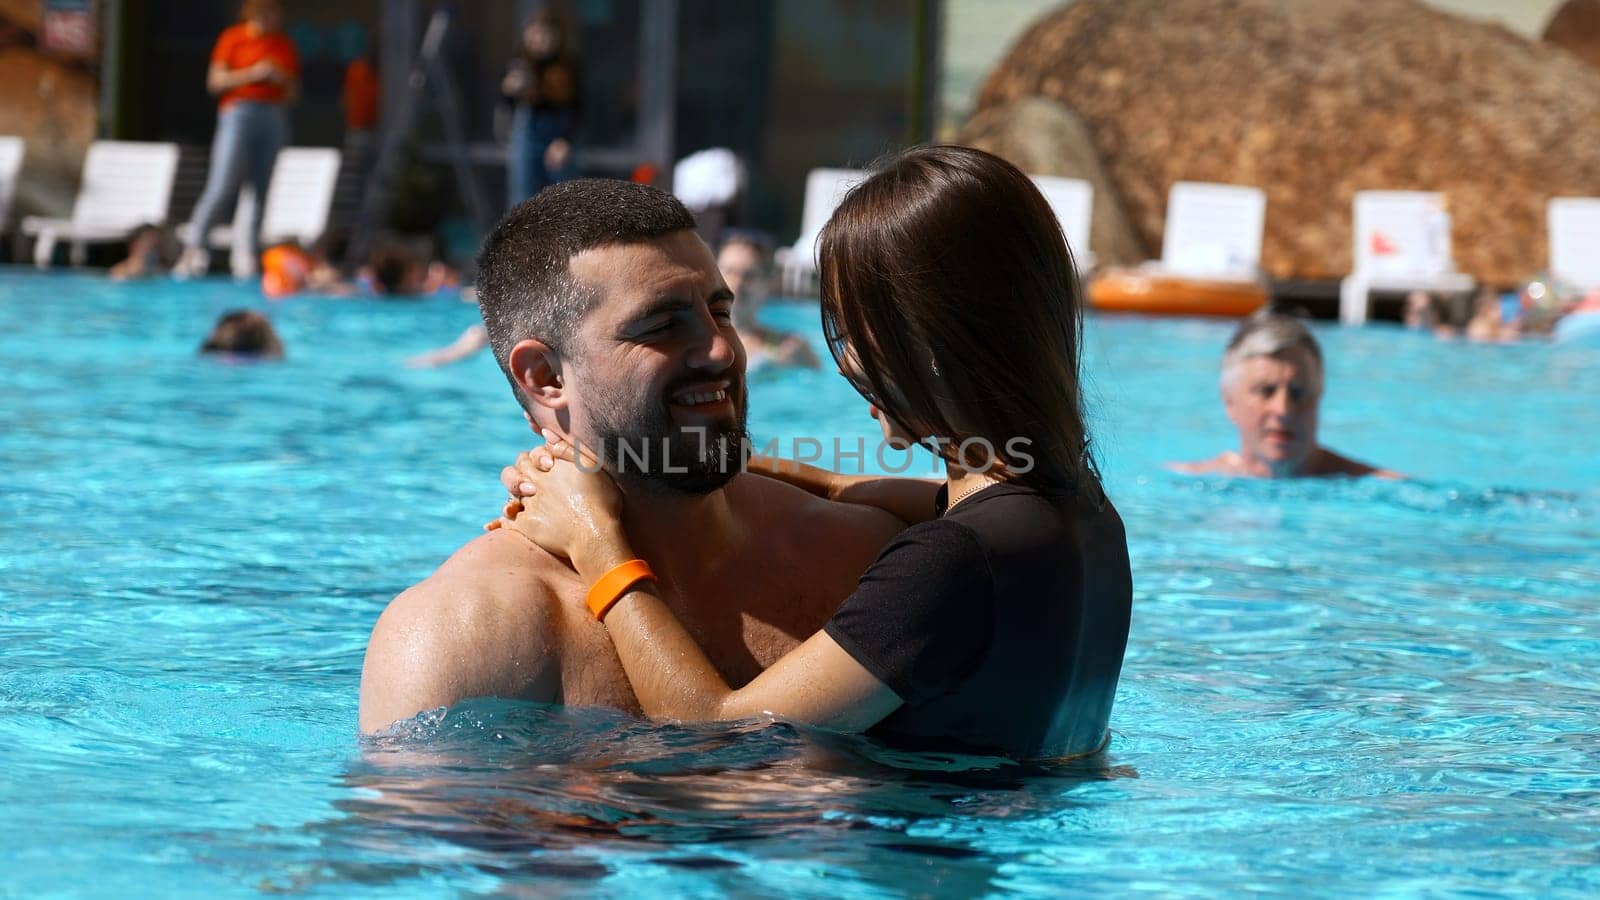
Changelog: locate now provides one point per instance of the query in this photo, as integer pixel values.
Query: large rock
(1315, 101)
(52, 105)
(1042, 137)
(1576, 28)
(24, 14)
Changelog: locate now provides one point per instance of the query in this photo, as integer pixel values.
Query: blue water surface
(1334, 687)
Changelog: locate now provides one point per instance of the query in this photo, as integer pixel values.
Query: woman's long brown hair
(948, 282)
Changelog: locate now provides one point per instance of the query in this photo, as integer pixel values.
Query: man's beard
(651, 450)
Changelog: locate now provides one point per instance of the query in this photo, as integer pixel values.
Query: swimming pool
(1337, 687)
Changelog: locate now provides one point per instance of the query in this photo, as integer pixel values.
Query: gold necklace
(982, 485)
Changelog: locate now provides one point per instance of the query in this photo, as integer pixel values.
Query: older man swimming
(1272, 380)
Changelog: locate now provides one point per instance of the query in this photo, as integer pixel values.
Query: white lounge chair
(125, 184)
(299, 198)
(824, 189)
(1072, 200)
(1575, 240)
(11, 149)
(1213, 231)
(1402, 243)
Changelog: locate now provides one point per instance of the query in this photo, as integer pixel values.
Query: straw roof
(1315, 101)
(1576, 28)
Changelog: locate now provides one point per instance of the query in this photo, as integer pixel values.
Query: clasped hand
(268, 71)
(572, 511)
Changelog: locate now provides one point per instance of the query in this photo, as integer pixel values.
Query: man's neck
(679, 533)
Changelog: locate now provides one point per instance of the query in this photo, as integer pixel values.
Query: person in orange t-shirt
(360, 96)
(255, 71)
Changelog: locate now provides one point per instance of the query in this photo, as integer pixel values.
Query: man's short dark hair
(525, 284)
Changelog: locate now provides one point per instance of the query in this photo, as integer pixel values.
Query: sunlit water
(1348, 687)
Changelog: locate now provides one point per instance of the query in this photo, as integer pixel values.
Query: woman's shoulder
(1012, 519)
(233, 34)
(938, 550)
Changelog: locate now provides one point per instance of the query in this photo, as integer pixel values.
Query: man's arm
(472, 629)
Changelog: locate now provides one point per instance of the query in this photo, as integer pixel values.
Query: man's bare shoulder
(1330, 462)
(1224, 463)
(480, 625)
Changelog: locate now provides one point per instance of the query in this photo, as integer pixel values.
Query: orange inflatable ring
(283, 270)
(1164, 294)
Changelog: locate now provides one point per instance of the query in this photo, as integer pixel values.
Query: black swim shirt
(1000, 624)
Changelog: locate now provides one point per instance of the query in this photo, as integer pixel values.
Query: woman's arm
(908, 499)
(220, 79)
(817, 683)
(575, 512)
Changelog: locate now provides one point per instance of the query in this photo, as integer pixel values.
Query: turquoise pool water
(1338, 687)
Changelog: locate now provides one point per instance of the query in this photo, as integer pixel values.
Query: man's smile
(712, 398)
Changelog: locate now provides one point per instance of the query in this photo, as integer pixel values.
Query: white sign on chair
(1214, 231)
(1072, 200)
(1401, 243)
(1575, 240)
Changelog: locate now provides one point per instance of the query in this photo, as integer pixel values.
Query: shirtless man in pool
(1272, 390)
(610, 319)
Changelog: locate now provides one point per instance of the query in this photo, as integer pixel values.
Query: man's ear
(537, 370)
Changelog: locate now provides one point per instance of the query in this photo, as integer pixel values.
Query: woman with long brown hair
(998, 619)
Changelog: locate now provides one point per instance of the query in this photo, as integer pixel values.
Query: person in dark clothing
(998, 619)
(541, 84)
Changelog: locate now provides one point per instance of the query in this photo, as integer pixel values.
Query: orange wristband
(615, 583)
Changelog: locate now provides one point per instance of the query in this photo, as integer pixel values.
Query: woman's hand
(571, 510)
(265, 70)
(517, 80)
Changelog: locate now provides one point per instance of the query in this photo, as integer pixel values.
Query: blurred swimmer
(243, 334)
(1272, 381)
(146, 254)
(471, 341)
(743, 264)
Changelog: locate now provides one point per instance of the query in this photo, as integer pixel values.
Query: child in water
(243, 334)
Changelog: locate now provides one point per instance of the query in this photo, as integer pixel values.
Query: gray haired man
(1272, 379)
